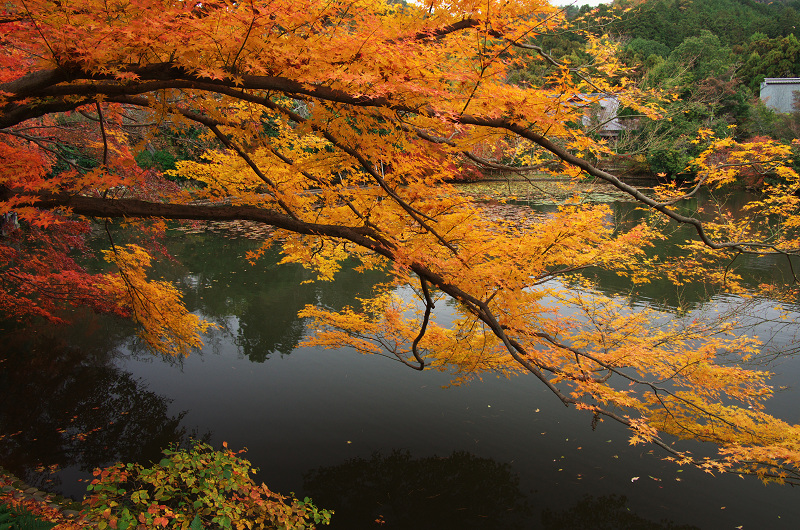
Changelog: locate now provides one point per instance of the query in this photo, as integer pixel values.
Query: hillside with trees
(670, 22)
(709, 56)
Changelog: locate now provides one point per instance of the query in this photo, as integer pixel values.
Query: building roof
(780, 81)
(601, 109)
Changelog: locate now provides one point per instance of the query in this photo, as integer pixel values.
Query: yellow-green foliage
(196, 488)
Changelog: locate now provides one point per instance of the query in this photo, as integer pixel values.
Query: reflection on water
(608, 511)
(461, 491)
(66, 406)
(255, 305)
(755, 270)
(458, 492)
(83, 396)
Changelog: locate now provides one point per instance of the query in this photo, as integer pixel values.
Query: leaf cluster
(194, 489)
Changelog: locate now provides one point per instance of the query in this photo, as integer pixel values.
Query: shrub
(160, 160)
(196, 488)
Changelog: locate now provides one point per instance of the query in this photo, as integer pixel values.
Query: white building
(777, 93)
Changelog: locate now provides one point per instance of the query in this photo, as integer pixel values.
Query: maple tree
(340, 124)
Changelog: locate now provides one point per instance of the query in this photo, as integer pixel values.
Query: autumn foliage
(46, 513)
(340, 124)
(193, 489)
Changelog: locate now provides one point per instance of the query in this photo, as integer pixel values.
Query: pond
(382, 445)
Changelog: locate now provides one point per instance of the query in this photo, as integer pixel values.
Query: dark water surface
(385, 446)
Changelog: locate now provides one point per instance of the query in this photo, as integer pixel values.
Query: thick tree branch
(171, 76)
(133, 208)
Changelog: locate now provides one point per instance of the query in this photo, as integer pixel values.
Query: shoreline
(44, 505)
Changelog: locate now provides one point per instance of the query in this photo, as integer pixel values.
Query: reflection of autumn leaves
(82, 435)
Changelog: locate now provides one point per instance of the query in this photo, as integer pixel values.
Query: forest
(713, 54)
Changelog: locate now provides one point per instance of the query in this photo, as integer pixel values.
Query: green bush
(160, 160)
(194, 489)
(69, 157)
(668, 160)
